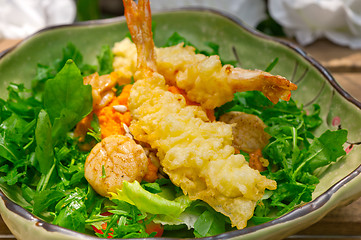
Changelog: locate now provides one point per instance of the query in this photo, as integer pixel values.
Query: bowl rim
(307, 208)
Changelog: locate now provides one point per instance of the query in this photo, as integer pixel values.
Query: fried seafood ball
(248, 131)
(115, 159)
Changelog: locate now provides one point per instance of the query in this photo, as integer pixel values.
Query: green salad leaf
(105, 60)
(176, 38)
(44, 151)
(293, 151)
(67, 100)
(36, 153)
(149, 202)
(40, 157)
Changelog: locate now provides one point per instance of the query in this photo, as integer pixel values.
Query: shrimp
(209, 83)
(115, 159)
(204, 78)
(195, 153)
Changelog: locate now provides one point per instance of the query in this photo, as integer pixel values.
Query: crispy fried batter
(196, 154)
(209, 83)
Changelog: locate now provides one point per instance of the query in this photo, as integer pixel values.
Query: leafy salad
(41, 159)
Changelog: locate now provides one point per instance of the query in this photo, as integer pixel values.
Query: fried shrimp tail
(274, 87)
(139, 22)
(209, 83)
(203, 78)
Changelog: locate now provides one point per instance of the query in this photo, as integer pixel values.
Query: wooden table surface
(345, 65)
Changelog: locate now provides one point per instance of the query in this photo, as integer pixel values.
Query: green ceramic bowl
(339, 183)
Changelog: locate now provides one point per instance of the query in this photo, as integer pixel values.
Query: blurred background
(303, 20)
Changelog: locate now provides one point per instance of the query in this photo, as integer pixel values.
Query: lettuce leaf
(148, 202)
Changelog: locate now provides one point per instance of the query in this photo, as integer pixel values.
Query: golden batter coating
(196, 154)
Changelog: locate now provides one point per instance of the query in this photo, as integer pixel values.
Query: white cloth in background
(250, 11)
(307, 20)
(20, 18)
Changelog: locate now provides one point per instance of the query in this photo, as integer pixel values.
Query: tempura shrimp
(115, 159)
(209, 83)
(204, 78)
(196, 154)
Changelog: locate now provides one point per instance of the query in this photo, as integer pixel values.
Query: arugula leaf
(43, 73)
(66, 100)
(22, 102)
(71, 211)
(271, 65)
(44, 152)
(44, 199)
(151, 187)
(105, 60)
(324, 150)
(176, 39)
(293, 151)
(71, 52)
(8, 150)
(208, 224)
(12, 176)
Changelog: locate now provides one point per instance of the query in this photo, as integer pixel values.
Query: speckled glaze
(339, 184)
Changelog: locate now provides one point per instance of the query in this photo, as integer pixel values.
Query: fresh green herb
(45, 72)
(209, 222)
(37, 155)
(105, 60)
(123, 221)
(40, 157)
(176, 38)
(95, 130)
(104, 174)
(67, 100)
(119, 89)
(44, 152)
(272, 65)
(294, 152)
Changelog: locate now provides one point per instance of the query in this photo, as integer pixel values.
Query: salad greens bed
(40, 158)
